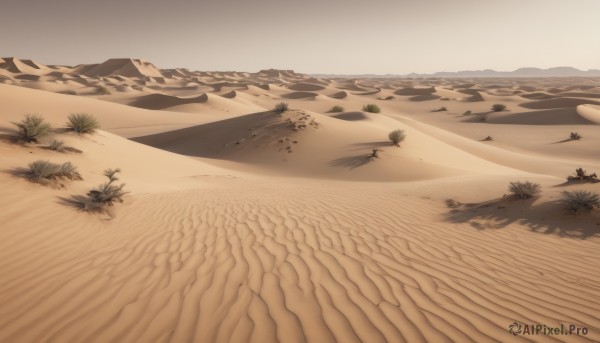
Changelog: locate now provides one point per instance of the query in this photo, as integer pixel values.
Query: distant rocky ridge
(521, 72)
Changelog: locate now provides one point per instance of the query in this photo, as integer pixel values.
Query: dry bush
(580, 201)
(57, 145)
(32, 128)
(575, 136)
(107, 193)
(397, 136)
(281, 107)
(46, 171)
(336, 109)
(498, 107)
(524, 190)
(582, 175)
(102, 90)
(371, 108)
(83, 123)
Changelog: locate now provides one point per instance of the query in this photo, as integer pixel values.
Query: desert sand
(247, 225)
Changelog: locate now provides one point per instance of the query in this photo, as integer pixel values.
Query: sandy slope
(251, 243)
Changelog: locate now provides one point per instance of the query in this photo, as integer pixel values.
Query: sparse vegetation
(371, 108)
(336, 109)
(487, 139)
(467, 113)
(441, 109)
(582, 175)
(575, 136)
(374, 153)
(524, 190)
(46, 171)
(498, 107)
(102, 90)
(281, 107)
(57, 145)
(69, 92)
(83, 123)
(397, 136)
(106, 194)
(32, 128)
(391, 97)
(580, 201)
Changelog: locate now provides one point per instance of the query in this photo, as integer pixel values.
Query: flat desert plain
(246, 224)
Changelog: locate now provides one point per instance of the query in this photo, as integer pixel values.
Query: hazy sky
(310, 36)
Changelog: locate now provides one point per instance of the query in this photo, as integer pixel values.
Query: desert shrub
(106, 194)
(32, 128)
(44, 170)
(441, 109)
(374, 153)
(575, 136)
(102, 90)
(371, 108)
(57, 145)
(581, 201)
(524, 190)
(498, 107)
(582, 175)
(83, 123)
(391, 97)
(336, 109)
(487, 139)
(397, 136)
(467, 113)
(69, 92)
(281, 107)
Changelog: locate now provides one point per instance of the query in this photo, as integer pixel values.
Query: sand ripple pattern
(251, 266)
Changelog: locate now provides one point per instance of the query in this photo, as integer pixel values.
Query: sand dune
(246, 225)
(557, 103)
(124, 67)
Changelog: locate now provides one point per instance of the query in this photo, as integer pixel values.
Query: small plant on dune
(498, 107)
(580, 201)
(441, 109)
(467, 113)
(106, 194)
(57, 145)
(487, 139)
(582, 175)
(69, 92)
(102, 90)
(45, 171)
(575, 136)
(83, 123)
(281, 107)
(32, 128)
(336, 109)
(374, 154)
(391, 97)
(371, 108)
(524, 190)
(397, 136)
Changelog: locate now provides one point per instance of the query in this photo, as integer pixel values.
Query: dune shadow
(546, 218)
(378, 144)
(352, 162)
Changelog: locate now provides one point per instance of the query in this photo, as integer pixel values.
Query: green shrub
(281, 107)
(102, 90)
(397, 136)
(83, 123)
(371, 108)
(336, 109)
(581, 201)
(32, 128)
(47, 171)
(524, 190)
(498, 108)
(106, 194)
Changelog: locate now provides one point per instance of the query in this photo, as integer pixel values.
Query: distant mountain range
(521, 72)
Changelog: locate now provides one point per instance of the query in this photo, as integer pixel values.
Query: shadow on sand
(547, 218)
